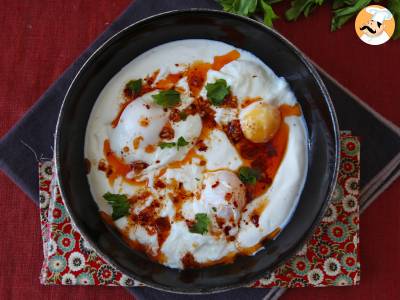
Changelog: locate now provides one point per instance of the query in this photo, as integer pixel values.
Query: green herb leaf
(217, 91)
(240, 7)
(344, 14)
(167, 99)
(340, 3)
(251, 7)
(274, 1)
(164, 145)
(227, 5)
(119, 203)
(182, 142)
(214, 209)
(248, 175)
(301, 6)
(135, 85)
(394, 7)
(245, 7)
(201, 225)
(269, 14)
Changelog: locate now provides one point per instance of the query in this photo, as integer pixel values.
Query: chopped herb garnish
(214, 209)
(198, 179)
(167, 99)
(183, 115)
(217, 91)
(167, 145)
(135, 85)
(182, 142)
(248, 175)
(119, 203)
(201, 225)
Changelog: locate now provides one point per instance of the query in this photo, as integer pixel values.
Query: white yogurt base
(248, 77)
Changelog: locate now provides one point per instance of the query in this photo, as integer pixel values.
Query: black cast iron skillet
(284, 59)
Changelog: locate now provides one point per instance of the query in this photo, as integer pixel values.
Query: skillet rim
(307, 234)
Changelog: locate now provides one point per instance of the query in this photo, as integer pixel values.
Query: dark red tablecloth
(39, 39)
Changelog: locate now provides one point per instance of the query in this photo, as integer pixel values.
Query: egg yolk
(261, 123)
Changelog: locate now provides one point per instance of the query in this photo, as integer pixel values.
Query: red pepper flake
(201, 145)
(255, 219)
(159, 184)
(234, 131)
(175, 115)
(228, 196)
(102, 166)
(167, 132)
(189, 262)
(215, 184)
(163, 227)
(227, 229)
(220, 221)
(139, 166)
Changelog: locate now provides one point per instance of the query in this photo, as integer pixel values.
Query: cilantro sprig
(201, 224)
(166, 99)
(135, 85)
(180, 143)
(217, 91)
(251, 7)
(166, 145)
(343, 10)
(249, 175)
(394, 7)
(119, 203)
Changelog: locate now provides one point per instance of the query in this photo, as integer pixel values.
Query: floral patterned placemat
(330, 258)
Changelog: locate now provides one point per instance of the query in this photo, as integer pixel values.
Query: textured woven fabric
(330, 258)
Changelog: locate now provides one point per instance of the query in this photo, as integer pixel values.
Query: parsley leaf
(269, 14)
(240, 7)
(182, 142)
(201, 225)
(217, 91)
(394, 7)
(301, 6)
(245, 7)
(343, 14)
(119, 203)
(164, 145)
(169, 98)
(249, 175)
(251, 7)
(343, 10)
(135, 85)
